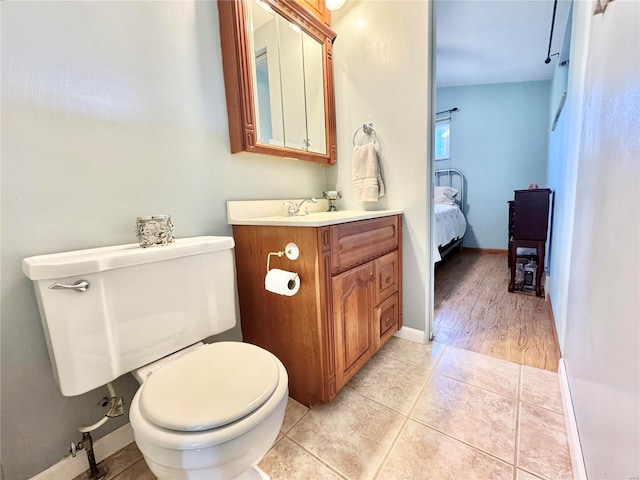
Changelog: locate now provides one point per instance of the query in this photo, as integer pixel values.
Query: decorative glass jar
(155, 230)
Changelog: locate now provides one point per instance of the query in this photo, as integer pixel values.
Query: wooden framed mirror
(278, 78)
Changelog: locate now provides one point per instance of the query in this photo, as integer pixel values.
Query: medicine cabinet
(278, 79)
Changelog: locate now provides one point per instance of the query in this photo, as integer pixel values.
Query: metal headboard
(454, 178)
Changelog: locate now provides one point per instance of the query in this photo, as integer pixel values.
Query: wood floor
(474, 311)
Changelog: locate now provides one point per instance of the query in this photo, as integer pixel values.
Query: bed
(449, 223)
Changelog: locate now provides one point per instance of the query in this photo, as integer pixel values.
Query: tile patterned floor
(418, 412)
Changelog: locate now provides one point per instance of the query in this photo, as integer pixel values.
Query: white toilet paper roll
(282, 282)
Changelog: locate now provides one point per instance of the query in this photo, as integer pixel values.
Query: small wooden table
(528, 228)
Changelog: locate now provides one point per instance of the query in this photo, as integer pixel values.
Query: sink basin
(321, 216)
(261, 216)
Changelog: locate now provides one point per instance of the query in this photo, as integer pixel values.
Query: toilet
(203, 411)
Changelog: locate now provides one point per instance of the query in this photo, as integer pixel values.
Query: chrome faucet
(293, 210)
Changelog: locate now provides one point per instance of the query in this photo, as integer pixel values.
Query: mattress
(449, 224)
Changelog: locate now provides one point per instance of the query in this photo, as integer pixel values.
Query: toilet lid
(211, 387)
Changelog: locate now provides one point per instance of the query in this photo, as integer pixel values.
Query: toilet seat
(220, 452)
(209, 388)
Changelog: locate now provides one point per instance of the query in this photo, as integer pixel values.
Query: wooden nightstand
(528, 228)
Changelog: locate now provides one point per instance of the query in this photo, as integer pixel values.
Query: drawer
(355, 243)
(387, 319)
(531, 214)
(387, 273)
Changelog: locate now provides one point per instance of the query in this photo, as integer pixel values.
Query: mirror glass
(288, 82)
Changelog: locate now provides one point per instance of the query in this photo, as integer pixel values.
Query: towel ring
(367, 129)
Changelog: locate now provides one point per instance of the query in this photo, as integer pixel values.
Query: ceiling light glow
(334, 4)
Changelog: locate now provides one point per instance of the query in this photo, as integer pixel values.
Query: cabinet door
(353, 320)
(386, 315)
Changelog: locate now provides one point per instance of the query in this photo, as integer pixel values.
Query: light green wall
(115, 110)
(379, 80)
(595, 260)
(499, 141)
(110, 110)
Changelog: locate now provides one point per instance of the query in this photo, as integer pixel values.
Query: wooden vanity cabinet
(348, 305)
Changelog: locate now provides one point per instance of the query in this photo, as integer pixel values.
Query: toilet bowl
(212, 413)
(203, 411)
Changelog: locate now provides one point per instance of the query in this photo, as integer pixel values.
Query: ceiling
(496, 41)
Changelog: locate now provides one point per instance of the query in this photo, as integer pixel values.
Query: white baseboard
(411, 334)
(70, 467)
(547, 285)
(575, 449)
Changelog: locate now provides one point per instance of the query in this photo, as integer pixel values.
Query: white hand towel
(367, 180)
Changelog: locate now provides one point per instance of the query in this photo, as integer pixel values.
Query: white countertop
(273, 213)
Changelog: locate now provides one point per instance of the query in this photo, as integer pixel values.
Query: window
(442, 138)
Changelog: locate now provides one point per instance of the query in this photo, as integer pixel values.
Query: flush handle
(80, 286)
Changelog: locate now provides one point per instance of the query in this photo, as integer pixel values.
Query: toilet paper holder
(291, 251)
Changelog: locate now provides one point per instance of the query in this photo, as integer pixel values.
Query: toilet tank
(141, 305)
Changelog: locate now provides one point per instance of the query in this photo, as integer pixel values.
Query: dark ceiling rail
(451, 110)
(553, 22)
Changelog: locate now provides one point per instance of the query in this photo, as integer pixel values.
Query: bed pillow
(445, 195)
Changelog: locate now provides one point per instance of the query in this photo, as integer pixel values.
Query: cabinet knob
(371, 277)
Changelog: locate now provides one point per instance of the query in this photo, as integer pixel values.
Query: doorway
(495, 94)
